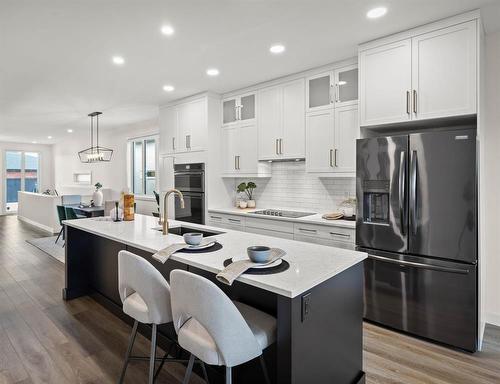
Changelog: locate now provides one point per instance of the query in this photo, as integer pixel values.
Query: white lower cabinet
(268, 227)
(330, 235)
(226, 221)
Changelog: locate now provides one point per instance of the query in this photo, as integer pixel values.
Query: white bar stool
(145, 295)
(215, 329)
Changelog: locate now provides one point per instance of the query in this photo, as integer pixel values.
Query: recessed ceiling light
(49, 137)
(342, 82)
(33, 142)
(167, 30)
(118, 60)
(278, 48)
(69, 130)
(376, 12)
(212, 72)
(168, 88)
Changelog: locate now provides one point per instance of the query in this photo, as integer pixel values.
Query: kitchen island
(318, 301)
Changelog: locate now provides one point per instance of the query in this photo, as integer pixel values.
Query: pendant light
(95, 154)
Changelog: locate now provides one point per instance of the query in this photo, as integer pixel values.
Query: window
(143, 165)
(22, 171)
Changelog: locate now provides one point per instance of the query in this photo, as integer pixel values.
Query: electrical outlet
(306, 306)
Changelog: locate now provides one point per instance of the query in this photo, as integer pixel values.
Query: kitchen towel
(163, 254)
(236, 269)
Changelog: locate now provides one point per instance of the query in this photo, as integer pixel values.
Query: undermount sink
(182, 230)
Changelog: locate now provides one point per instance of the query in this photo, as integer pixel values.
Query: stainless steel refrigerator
(417, 219)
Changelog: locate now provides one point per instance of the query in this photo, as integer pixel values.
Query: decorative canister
(128, 207)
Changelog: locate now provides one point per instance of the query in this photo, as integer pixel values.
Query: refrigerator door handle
(402, 181)
(419, 265)
(413, 192)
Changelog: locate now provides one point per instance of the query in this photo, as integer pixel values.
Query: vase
(243, 204)
(251, 203)
(97, 197)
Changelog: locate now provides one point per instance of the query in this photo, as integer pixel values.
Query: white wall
(112, 175)
(292, 187)
(492, 179)
(46, 168)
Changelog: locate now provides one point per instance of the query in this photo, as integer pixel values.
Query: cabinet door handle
(188, 141)
(216, 217)
(408, 102)
(240, 107)
(235, 112)
(281, 146)
(234, 220)
(335, 157)
(173, 143)
(337, 93)
(340, 234)
(238, 161)
(277, 151)
(414, 101)
(331, 92)
(331, 157)
(308, 230)
(235, 166)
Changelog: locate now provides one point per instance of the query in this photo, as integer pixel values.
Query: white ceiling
(55, 62)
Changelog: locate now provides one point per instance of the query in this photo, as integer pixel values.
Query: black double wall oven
(190, 180)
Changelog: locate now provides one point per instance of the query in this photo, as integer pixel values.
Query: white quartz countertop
(312, 219)
(310, 264)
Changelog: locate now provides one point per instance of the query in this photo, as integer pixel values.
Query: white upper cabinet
(332, 88)
(331, 141)
(346, 133)
(184, 127)
(320, 91)
(168, 129)
(282, 121)
(239, 152)
(385, 83)
(270, 122)
(346, 86)
(431, 74)
(192, 126)
(444, 72)
(238, 109)
(320, 141)
(294, 120)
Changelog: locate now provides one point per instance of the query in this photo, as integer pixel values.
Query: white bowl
(193, 238)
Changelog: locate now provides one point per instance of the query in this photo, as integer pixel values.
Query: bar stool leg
(129, 351)
(264, 369)
(204, 369)
(152, 359)
(189, 370)
(229, 378)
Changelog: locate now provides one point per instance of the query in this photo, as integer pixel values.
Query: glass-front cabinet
(346, 85)
(240, 108)
(332, 88)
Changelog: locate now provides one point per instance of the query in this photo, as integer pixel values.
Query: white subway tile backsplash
(292, 187)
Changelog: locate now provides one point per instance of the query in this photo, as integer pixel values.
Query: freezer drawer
(432, 299)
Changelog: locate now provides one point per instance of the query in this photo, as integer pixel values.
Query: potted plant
(97, 196)
(248, 189)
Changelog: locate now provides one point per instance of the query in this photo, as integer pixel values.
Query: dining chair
(61, 213)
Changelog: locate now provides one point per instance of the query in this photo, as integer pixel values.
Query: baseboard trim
(35, 224)
(492, 318)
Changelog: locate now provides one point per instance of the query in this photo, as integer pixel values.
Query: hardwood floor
(46, 340)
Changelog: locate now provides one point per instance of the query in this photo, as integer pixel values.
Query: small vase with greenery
(248, 189)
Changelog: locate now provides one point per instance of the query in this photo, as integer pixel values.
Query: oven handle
(193, 194)
(188, 173)
(418, 265)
